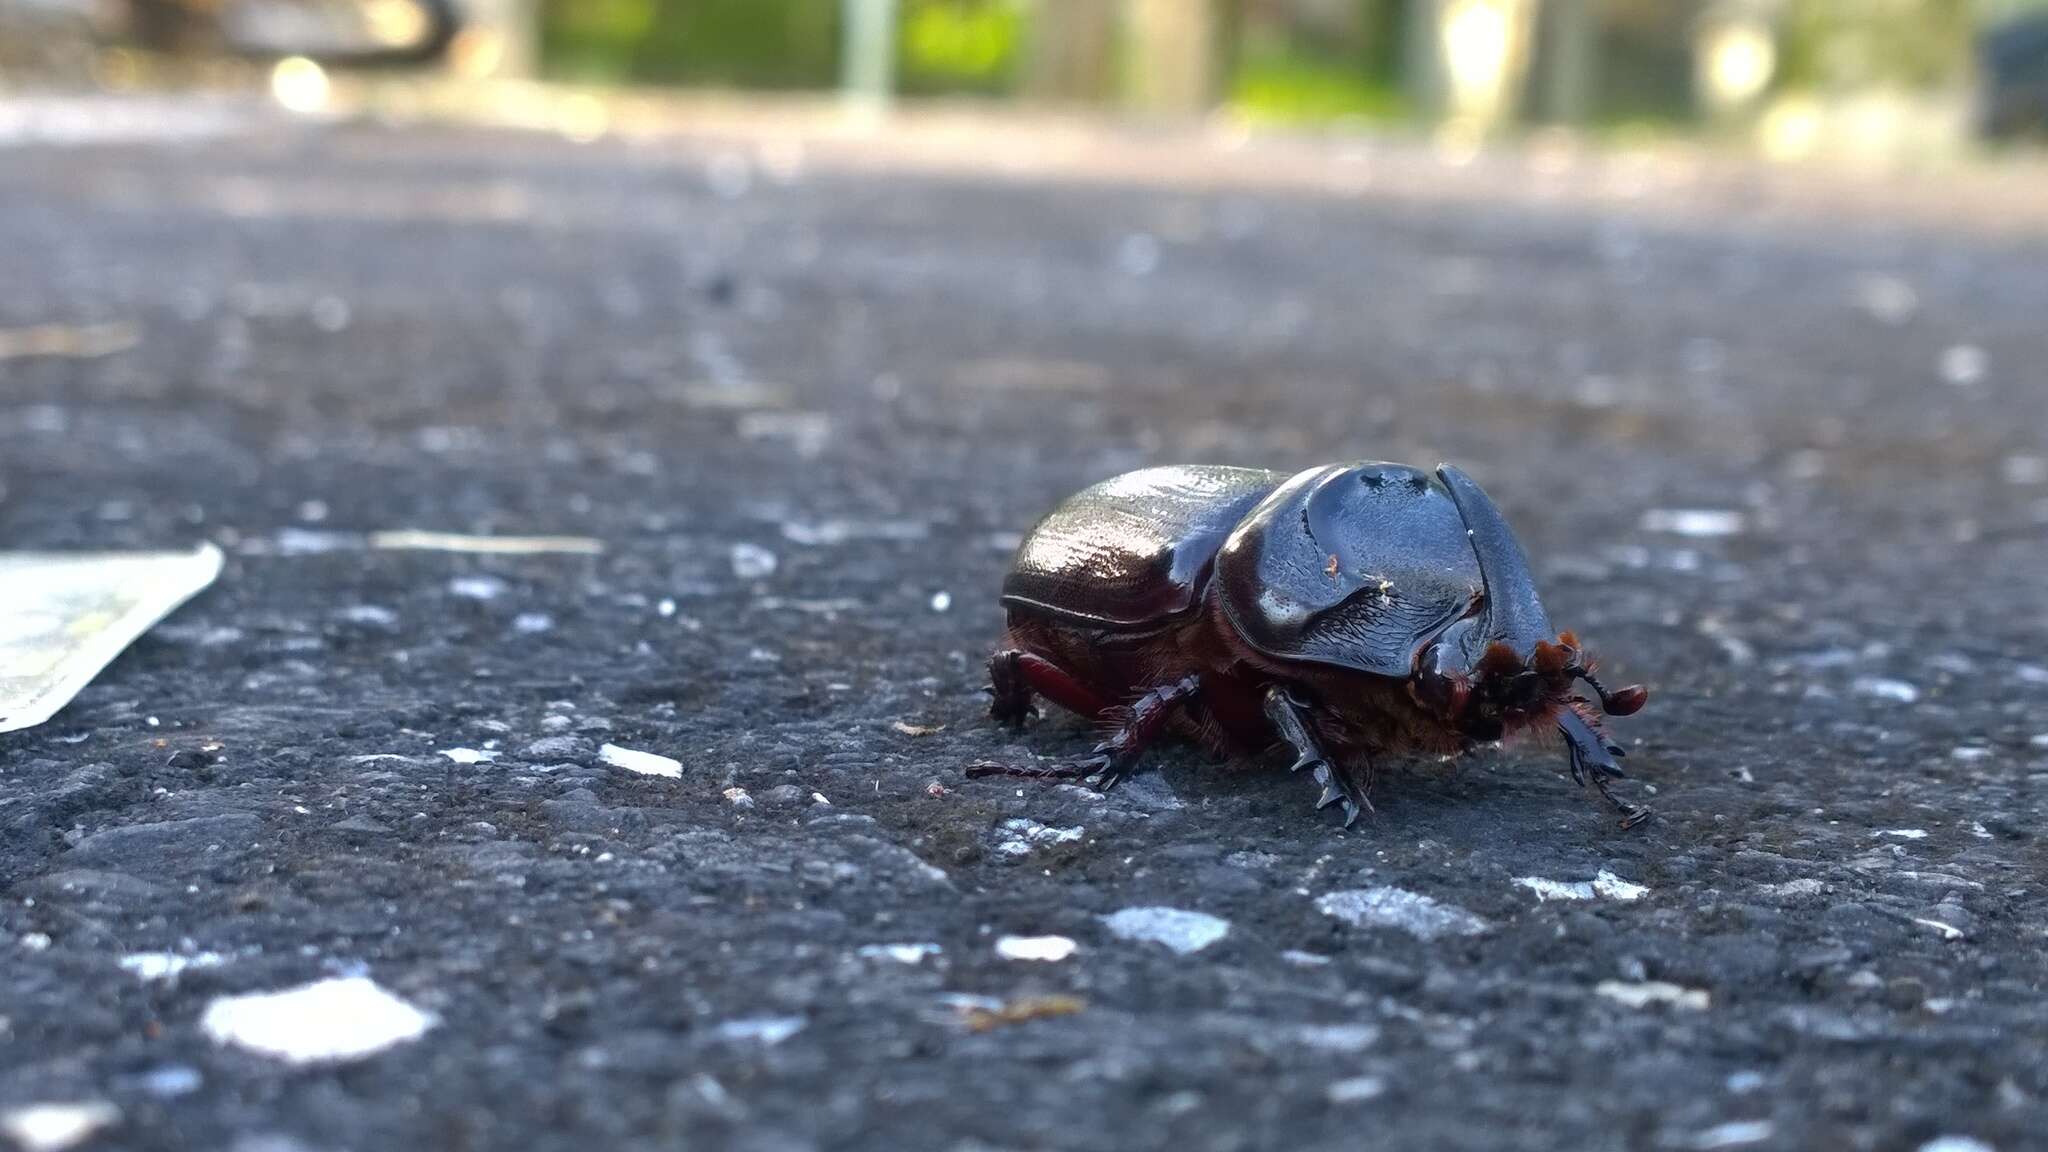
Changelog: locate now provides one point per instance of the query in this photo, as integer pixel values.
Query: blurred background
(1884, 81)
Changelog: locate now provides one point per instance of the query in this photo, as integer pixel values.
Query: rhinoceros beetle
(1351, 611)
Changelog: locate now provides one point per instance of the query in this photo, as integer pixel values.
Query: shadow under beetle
(1352, 612)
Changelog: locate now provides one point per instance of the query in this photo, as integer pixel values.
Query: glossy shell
(1134, 551)
(1352, 565)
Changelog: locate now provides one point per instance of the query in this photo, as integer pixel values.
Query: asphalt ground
(1790, 472)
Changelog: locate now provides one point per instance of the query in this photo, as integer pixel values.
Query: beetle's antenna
(1620, 703)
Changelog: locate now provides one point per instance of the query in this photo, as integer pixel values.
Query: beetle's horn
(1514, 615)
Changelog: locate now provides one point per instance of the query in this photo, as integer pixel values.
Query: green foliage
(960, 45)
(1303, 80)
(738, 43)
(1844, 44)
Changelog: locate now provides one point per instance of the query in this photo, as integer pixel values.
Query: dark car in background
(2012, 59)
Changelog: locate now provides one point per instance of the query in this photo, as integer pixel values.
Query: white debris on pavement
(1735, 1134)
(69, 614)
(645, 763)
(1605, 885)
(1700, 523)
(55, 1127)
(1886, 688)
(1397, 908)
(1356, 1090)
(1947, 931)
(1183, 931)
(168, 966)
(942, 601)
(1338, 1037)
(1021, 837)
(1956, 1144)
(408, 540)
(768, 1030)
(469, 755)
(900, 953)
(1804, 886)
(752, 562)
(1648, 992)
(1047, 948)
(478, 587)
(1903, 833)
(1963, 365)
(345, 1018)
(829, 532)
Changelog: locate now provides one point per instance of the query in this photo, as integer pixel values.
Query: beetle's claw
(1104, 768)
(1339, 788)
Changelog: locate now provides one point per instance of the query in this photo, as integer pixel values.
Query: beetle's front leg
(1140, 724)
(1592, 754)
(1338, 785)
(1135, 727)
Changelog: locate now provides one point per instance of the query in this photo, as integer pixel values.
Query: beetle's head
(1502, 691)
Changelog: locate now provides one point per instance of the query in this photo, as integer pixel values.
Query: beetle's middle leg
(1339, 786)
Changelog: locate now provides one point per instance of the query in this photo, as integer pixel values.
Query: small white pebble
(1946, 931)
(533, 623)
(1184, 932)
(1047, 948)
(468, 755)
(942, 601)
(35, 942)
(1700, 523)
(55, 1127)
(1956, 1144)
(1903, 833)
(1410, 912)
(900, 953)
(150, 967)
(752, 562)
(2024, 470)
(1648, 992)
(330, 1020)
(1804, 886)
(768, 1030)
(1356, 1090)
(1887, 298)
(477, 587)
(666, 608)
(1969, 752)
(1963, 365)
(1886, 688)
(1305, 959)
(1604, 884)
(1735, 1134)
(1138, 254)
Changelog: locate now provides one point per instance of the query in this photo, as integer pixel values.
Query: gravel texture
(1793, 477)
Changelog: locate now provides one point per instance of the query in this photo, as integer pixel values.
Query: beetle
(1351, 611)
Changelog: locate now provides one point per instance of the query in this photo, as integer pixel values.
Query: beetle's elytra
(1352, 611)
